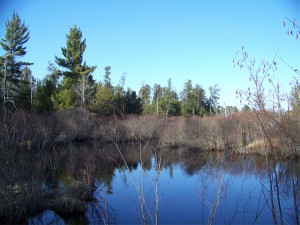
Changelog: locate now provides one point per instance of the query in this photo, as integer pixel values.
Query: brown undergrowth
(244, 132)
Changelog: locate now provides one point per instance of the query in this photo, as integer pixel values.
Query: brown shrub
(78, 124)
(28, 130)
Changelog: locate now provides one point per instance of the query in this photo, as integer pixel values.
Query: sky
(152, 41)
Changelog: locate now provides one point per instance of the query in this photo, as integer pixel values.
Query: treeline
(70, 84)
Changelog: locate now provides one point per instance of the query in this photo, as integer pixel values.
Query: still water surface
(188, 187)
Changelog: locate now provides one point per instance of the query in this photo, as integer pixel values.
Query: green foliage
(188, 99)
(42, 100)
(23, 98)
(54, 74)
(77, 87)
(246, 108)
(45, 89)
(200, 98)
(193, 100)
(73, 56)
(107, 80)
(78, 81)
(213, 99)
(119, 102)
(157, 94)
(120, 96)
(170, 104)
(133, 103)
(16, 36)
(145, 95)
(103, 103)
(65, 97)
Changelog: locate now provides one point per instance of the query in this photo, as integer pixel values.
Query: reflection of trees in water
(282, 180)
(144, 152)
(277, 192)
(214, 184)
(33, 173)
(62, 180)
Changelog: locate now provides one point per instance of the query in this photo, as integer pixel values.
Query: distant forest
(70, 84)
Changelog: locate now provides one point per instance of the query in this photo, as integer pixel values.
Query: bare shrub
(289, 137)
(195, 133)
(78, 124)
(22, 173)
(208, 136)
(28, 130)
(120, 130)
(141, 127)
(172, 134)
(110, 129)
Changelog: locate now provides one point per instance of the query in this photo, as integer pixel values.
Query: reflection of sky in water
(181, 196)
(175, 195)
(46, 217)
(187, 195)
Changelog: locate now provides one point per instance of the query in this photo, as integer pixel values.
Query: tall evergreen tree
(145, 95)
(24, 95)
(77, 75)
(106, 96)
(188, 99)
(42, 98)
(120, 96)
(157, 94)
(45, 89)
(16, 36)
(200, 100)
(107, 80)
(133, 103)
(213, 99)
(104, 100)
(169, 101)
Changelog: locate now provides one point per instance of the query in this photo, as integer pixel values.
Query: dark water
(183, 187)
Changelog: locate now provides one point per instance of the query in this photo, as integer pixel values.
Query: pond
(180, 186)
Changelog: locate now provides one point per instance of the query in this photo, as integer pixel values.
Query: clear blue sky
(159, 39)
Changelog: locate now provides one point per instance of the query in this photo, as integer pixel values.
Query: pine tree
(200, 100)
(133, 103)
(42, 98)
(24, 96)
(157, 94)
(120, 96)
(188, 99)
(104, 101)
(78, 80)
(16, 36)
(169, 101)
(145, 94)
(45, 89)
(107, 80)
(213, 99)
